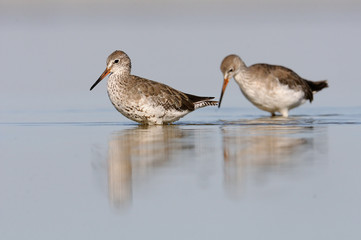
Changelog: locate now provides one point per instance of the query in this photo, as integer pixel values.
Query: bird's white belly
(270, 98)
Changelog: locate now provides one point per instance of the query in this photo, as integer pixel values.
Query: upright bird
(271, 88)
(146, 101)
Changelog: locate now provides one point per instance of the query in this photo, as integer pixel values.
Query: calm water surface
(216, 174)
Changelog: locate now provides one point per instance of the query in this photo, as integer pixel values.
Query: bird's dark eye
(230, 70)
(116, 61)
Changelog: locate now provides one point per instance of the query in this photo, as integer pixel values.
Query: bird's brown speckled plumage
(143, 100)
(271, 88)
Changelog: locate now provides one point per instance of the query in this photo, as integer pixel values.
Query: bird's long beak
(225, 82)
(104, 74)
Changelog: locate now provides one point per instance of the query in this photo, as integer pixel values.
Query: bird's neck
(243, 66)
(119, 78)
(124, 71)
(243, 75)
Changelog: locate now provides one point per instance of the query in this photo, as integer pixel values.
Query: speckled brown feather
(166, 96)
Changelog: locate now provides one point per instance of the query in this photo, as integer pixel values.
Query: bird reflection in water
(133, 153)
(264, 146)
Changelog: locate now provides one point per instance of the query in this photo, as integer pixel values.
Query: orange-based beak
(225, 82)
(104, 74)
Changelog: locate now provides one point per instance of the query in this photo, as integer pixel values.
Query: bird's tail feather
(201, 104)
(317, 86)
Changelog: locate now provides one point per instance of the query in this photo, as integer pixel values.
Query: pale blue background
(53, 51)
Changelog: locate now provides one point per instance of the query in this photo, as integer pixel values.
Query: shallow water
(215, 174)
